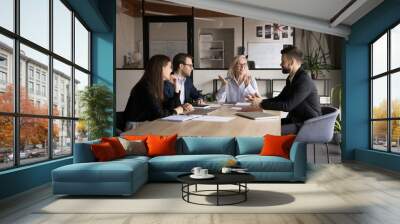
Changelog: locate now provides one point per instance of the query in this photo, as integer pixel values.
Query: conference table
(238, 126)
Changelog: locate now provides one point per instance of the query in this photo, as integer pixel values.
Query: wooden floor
(378, 188)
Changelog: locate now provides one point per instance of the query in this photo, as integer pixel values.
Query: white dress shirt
(233, 93)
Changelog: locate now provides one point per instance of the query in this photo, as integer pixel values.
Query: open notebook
(257, 115)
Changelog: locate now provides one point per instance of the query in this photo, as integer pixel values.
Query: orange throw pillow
(277, 145)
(116, 145)
(161, 145)
(135, 137)
(103, 152)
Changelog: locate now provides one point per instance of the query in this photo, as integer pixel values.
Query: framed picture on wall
(268, 31)
(259, 31)
(285, 32)
(276, 31)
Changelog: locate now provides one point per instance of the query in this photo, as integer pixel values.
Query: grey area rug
(166, 198)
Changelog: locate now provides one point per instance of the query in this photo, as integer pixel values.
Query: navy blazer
(299, 98)
(191, 93)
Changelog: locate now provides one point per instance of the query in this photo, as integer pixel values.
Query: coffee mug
(203, 172)
(226, 170)
(196, 171)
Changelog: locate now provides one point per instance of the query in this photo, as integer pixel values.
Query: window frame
(16, 114)
(388, 74)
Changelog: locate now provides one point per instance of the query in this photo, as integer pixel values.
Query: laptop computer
(257, 115)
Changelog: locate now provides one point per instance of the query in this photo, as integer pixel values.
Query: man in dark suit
(299, 97)
(182, 67)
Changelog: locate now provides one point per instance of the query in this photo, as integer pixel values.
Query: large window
(40, 80)
(385, 95)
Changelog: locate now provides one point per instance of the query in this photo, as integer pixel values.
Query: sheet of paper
(242, 104)
(180, 118)
(236, 108)
(210, 118)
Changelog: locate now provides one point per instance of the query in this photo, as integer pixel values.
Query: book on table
(255, 115)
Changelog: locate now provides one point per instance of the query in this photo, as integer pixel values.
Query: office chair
(319, 130)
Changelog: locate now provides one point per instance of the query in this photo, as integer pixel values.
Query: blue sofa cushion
(249, 145)
(185, 163)
(206, 145)
(111, 171)
(83, 152)
(257, 163)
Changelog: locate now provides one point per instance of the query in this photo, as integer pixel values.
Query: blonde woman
(238, 84)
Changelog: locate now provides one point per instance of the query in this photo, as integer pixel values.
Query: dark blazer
(299, 98)
(191, 93)
(143, 106)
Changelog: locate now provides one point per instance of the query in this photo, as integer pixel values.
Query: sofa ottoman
(120, 177)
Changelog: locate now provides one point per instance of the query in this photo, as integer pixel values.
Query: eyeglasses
(190, 65)
(241, 65)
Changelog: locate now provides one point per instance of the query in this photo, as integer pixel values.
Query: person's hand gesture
(174, 81)
(187, 107)
(179, 110)
(224, 82)
(254, 99)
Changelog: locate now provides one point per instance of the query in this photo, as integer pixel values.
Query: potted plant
(336, 97)
(316, 61)
(337, 135)
(96, 102)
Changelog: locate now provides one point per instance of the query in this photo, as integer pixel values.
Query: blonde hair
(232, 68)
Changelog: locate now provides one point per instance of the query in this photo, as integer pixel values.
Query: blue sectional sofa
(125, 176)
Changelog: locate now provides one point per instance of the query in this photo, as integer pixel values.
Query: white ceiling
(319, 9)
(313, 15)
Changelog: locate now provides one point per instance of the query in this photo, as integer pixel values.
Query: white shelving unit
(211, 53)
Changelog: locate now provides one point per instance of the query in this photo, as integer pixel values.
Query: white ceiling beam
(264, 14)
(347, 12)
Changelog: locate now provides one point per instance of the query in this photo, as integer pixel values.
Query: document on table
(213, 118)
(180, 118)
(242, 104)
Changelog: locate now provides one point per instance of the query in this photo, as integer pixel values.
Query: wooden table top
(239, 126)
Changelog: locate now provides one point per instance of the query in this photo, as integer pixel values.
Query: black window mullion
(389, 101)
(16, 84)
(50, 87)
(73, 82)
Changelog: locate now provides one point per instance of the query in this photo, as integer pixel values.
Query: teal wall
(103, 52)
(24, 178)
(356, 85)
(99, 15)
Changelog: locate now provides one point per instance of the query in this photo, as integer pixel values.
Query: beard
(285, 70)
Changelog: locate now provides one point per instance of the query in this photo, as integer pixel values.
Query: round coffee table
(238, 179)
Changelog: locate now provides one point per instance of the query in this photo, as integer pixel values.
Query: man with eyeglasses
(182, 68)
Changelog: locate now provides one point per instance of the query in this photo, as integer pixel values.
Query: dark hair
(153, 75)
(179, 59)
(293, 53)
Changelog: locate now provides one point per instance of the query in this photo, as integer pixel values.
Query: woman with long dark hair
(146, 101)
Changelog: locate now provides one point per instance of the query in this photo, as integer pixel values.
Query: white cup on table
(196, 171)
(203, 172)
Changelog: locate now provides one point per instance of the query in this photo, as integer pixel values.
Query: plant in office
(96, 102)
(336, 95)
(316, 59)
(316, 62)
